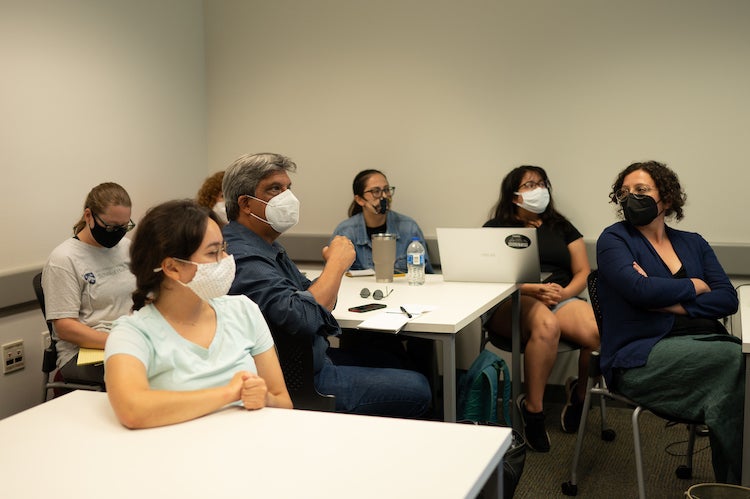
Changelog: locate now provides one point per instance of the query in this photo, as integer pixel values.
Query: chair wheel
(569, 489)
(608, 435)
(684, 472)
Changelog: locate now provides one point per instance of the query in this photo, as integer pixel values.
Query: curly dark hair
(505, 210)
(210, 190)
(666, 182)
(171, 229)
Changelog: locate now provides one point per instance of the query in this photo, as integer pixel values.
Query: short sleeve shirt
(174, 363)
(88, 283)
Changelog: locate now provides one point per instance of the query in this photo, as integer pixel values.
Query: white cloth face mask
(282, 211)
(535, 201)
(220, 208)
(211, 280)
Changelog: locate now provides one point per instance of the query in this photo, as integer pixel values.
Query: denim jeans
(377, 391)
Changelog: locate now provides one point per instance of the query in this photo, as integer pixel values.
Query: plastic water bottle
(415, 263)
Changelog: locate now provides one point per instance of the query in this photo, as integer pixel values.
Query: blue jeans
(377, 391)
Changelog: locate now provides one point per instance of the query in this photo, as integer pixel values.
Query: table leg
(494, 485)
(448, 342)
(516, 358)
(449, 377)
(746, 432)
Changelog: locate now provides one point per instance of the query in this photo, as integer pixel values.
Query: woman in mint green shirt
(188, 349)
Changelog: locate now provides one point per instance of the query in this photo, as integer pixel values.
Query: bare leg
(541, 334)
(578, 325)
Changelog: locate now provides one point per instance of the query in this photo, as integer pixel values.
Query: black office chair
(49, 357)
(296, 359)
(597, 386)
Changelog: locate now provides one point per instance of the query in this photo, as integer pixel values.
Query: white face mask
(220, 208)
(212, 280)
(282, 211)
(535, 200)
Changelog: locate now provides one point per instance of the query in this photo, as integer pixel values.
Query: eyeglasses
(219, 253)
(532, 185)
(377, 294)
(114, 228)
(638, 191)
(219, 256)
(377, 192)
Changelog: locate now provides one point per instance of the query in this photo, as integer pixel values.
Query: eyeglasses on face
(377, 192)
(219, 255)
(216, 252)
(114, 228)
(530, 185)
(377, 294)
(638, 191)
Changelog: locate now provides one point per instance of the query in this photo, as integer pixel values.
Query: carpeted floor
(607, 469)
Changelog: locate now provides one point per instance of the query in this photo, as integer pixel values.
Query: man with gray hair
(260, 207)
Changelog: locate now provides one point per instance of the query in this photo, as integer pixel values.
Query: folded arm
(138, 406)
(700, 288)
(643, 280)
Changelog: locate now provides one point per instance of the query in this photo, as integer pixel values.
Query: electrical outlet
(13, 356)
(45, 339)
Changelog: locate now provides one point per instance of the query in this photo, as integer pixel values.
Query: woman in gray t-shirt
(87, 281)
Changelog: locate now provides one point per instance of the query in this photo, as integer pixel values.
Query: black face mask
(639, 211)
(383, 205)
(105, 238)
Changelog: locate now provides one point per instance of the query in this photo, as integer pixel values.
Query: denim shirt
(403, 226)
(265, 274)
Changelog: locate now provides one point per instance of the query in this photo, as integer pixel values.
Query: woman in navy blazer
(661, 292)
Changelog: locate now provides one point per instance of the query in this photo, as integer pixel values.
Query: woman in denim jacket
(370, 213)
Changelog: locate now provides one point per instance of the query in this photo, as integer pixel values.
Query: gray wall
(446, 97)
(91, 91)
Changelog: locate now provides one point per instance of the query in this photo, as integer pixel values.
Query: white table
(742, 320)
(73, 446)
(458, 304)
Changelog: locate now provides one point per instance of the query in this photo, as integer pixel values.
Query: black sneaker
(570, 418)
(533, 425)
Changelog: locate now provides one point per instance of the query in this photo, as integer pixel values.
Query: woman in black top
(549, 310)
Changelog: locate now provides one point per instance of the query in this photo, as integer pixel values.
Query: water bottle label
(415, 259)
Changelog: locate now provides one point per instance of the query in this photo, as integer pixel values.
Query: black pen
(407, 313)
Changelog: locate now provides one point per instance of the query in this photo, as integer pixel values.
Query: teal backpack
(478, 390)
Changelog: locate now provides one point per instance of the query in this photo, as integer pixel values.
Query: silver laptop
(489, 254)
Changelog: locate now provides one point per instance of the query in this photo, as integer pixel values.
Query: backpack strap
(489, 376)
(502, 367)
